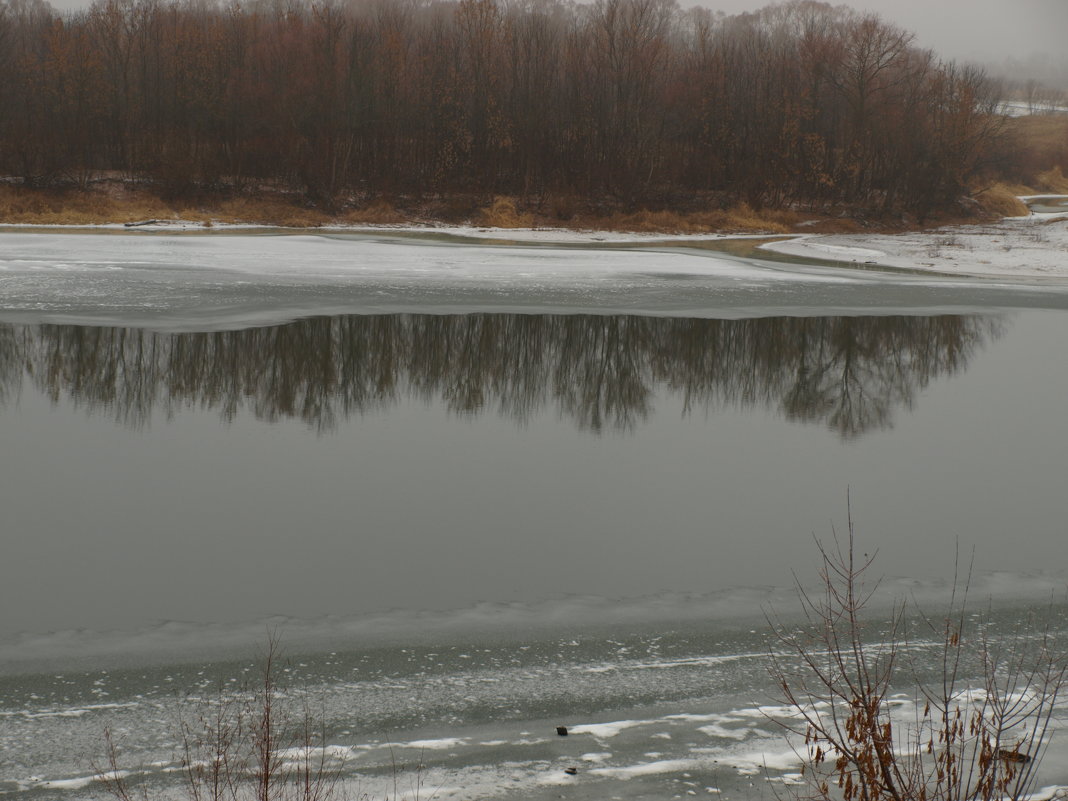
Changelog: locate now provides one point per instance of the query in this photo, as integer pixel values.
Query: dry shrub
(378, 213)
(240, 746)
(855, 691)
(503, 214)
(1053, 180)
(1002, 201)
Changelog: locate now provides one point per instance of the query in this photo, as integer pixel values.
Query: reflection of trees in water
(10, 363)
(849, 373)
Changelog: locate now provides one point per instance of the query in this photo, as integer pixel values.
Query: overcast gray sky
(981, 30)
(988, 31)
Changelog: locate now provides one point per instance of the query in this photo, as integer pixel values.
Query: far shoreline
(111, 201)
(1031, 245)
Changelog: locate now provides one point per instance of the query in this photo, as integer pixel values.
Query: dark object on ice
(562, 731)
(570, 771)
(1013, 756)
(142, 222)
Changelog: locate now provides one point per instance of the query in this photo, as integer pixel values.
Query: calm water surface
(356, 464)
(470, 527)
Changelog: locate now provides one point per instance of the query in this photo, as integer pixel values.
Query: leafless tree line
(634, 101)
(602, 372)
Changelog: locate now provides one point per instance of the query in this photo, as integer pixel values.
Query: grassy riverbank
(112, 201)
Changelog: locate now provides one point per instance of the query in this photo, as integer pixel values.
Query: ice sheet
(193, 641)
(324, 257)
(200, 282)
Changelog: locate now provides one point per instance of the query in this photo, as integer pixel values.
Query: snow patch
(604, 731)
(1035, 246)
(435, 745)
(648, 768)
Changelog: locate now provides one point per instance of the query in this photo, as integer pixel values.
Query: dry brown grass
(40, 207)
(1038, 146)
(562, 208)
(1002, 200)
(1040, 132)
(743, 218)
(267, 211)
(738, 219)
(654, 222)
(115, 202)
(107, 204)
(378, 213)
(502, 213)
(1053, 180)
(1015, 189)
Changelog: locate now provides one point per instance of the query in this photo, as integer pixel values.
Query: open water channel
(480, 490)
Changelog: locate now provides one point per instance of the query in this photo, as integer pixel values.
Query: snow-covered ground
(1022, 108)
(1035, 246)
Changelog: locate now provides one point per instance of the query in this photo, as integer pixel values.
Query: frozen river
(482, 490)
(198, 282)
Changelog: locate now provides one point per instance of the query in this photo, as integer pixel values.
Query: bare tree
(974, 727)
(635, 102)
(253, 745)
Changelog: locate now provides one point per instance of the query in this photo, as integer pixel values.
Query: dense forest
(639, 101)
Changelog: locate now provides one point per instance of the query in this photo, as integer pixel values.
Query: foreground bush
(246, 746)
(841, 672)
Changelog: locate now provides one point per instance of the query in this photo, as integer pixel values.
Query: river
(480, 490)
